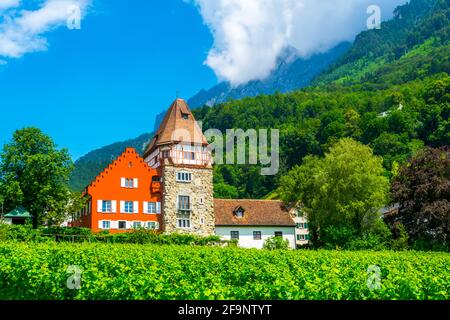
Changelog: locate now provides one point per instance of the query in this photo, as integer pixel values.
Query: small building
(252, 222)
(125, 196)
(18, 216)
(302, 236)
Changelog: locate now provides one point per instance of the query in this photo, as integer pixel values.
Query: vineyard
(125, 271)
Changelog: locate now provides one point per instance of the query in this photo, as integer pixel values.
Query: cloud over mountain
(250, 35)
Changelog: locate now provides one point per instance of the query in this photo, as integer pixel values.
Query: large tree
(344, 190)
(422, 190)
(35, 174)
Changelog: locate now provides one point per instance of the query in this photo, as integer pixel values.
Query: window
(189, 155)
(240, 213)
(152, 207)
(184, 176)
(122, 225)
(183, 223)
(129, 208)
(106, 225)
(129, 183)
(234, 235)
(136, 225)
(278, 234)
(184, 203)
(256, 235)
(152, 225)
(166, 154)
(301, 237)
(185, 116)
(106, 206)
(300, 225)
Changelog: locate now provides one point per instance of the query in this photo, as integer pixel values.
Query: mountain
(413, 45)
(89, 166)
(291, 73)
(358, 94)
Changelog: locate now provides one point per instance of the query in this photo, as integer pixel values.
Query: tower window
(184, 176)
(184, 203)
(184, 223)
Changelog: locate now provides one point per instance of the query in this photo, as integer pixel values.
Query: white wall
(302, 231)
(246, 235)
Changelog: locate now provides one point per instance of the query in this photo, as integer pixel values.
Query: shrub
(276, 243)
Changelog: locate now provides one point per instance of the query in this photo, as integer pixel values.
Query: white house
(252, 222)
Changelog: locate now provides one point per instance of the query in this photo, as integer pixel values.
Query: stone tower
(179, 152)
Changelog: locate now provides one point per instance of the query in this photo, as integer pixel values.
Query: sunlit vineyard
(119, 271)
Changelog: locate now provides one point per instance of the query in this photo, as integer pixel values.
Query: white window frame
(126, 210)
(183, 223)
(103, 225)
(189, 202)
(106, 206)
(183, 176)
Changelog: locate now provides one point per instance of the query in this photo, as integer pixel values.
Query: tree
(422, 189)
(35, 174)
(344, 190)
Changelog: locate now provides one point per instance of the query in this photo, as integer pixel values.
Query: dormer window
(185, 116)
(239, 212)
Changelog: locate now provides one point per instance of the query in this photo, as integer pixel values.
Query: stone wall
(201, 192)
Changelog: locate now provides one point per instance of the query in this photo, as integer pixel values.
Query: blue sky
(107, 81)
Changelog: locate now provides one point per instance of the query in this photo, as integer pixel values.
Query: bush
(276, 243)
(152, 272)
(400, 241)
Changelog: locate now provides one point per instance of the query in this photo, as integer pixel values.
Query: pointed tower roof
(179, 125)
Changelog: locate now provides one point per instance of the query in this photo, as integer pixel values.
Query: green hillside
(390, 91)
(413, 45)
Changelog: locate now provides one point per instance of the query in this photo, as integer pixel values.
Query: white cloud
(23, 31)
(6, 4)
(249, 35)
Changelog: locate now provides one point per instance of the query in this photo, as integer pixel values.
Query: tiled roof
(178, 125)
(256, 213)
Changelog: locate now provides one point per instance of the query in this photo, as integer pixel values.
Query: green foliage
(422, 190)
(34, 174)
(400, 241)
(134, 272)
(139, 236)
(341, 193)
(413, 45)
(276, 243)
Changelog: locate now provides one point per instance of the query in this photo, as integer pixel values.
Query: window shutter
(135, 183)
(145, 207)
(122, 206)
(158, 207)
(113, 224)
(156, 225)
(136, 207)
(100, 224)
(99, 205)
(122, 182)
(113, 206)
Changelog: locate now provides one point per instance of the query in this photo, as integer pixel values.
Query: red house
(125, 196)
